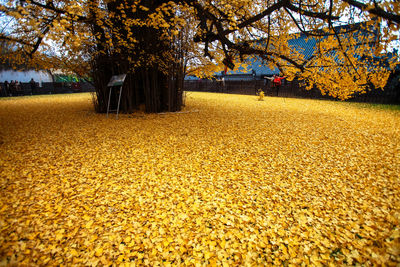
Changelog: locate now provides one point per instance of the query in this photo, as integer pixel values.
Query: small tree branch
(38, 42)
(19, 41)
(376, 10)
(50, 6)
(319, 15)
(221, 32)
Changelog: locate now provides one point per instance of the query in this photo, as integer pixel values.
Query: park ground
(229, 181)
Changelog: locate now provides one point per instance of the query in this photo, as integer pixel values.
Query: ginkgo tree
(153, 40)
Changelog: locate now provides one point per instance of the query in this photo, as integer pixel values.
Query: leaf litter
(231, 181)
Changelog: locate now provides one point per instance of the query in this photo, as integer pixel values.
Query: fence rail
(47, 88)
(390, 94)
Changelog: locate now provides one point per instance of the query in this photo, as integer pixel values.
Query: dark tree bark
(156, 85)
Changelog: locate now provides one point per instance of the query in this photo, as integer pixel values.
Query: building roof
(303, 43)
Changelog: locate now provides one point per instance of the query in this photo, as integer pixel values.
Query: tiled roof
(302, 44)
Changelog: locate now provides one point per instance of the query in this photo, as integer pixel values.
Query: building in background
(24, 76)
(47, 82)
(303, 43)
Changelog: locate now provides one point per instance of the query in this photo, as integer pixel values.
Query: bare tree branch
(377, 10)
(319, 15)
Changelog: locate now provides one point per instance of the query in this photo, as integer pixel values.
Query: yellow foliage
(76, 27)
(232, 181)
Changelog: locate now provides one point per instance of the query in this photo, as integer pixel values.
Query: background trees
(156, 42)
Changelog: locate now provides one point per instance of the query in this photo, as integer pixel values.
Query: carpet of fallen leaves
(231, 181)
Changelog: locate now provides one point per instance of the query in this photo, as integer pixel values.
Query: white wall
(25, 76)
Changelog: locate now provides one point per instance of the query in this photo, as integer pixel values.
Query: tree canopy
(196, 36)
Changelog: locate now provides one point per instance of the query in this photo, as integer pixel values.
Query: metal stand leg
(109, 100)
(116, 80)
(119, 100)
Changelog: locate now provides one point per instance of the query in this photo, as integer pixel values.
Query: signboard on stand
(116, 80)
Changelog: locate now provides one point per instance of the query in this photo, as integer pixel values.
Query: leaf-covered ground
(232, 181)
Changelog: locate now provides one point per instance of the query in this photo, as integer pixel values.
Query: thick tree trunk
(158, 88)
(158, 92)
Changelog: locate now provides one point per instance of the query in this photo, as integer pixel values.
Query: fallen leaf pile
(230, 181)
